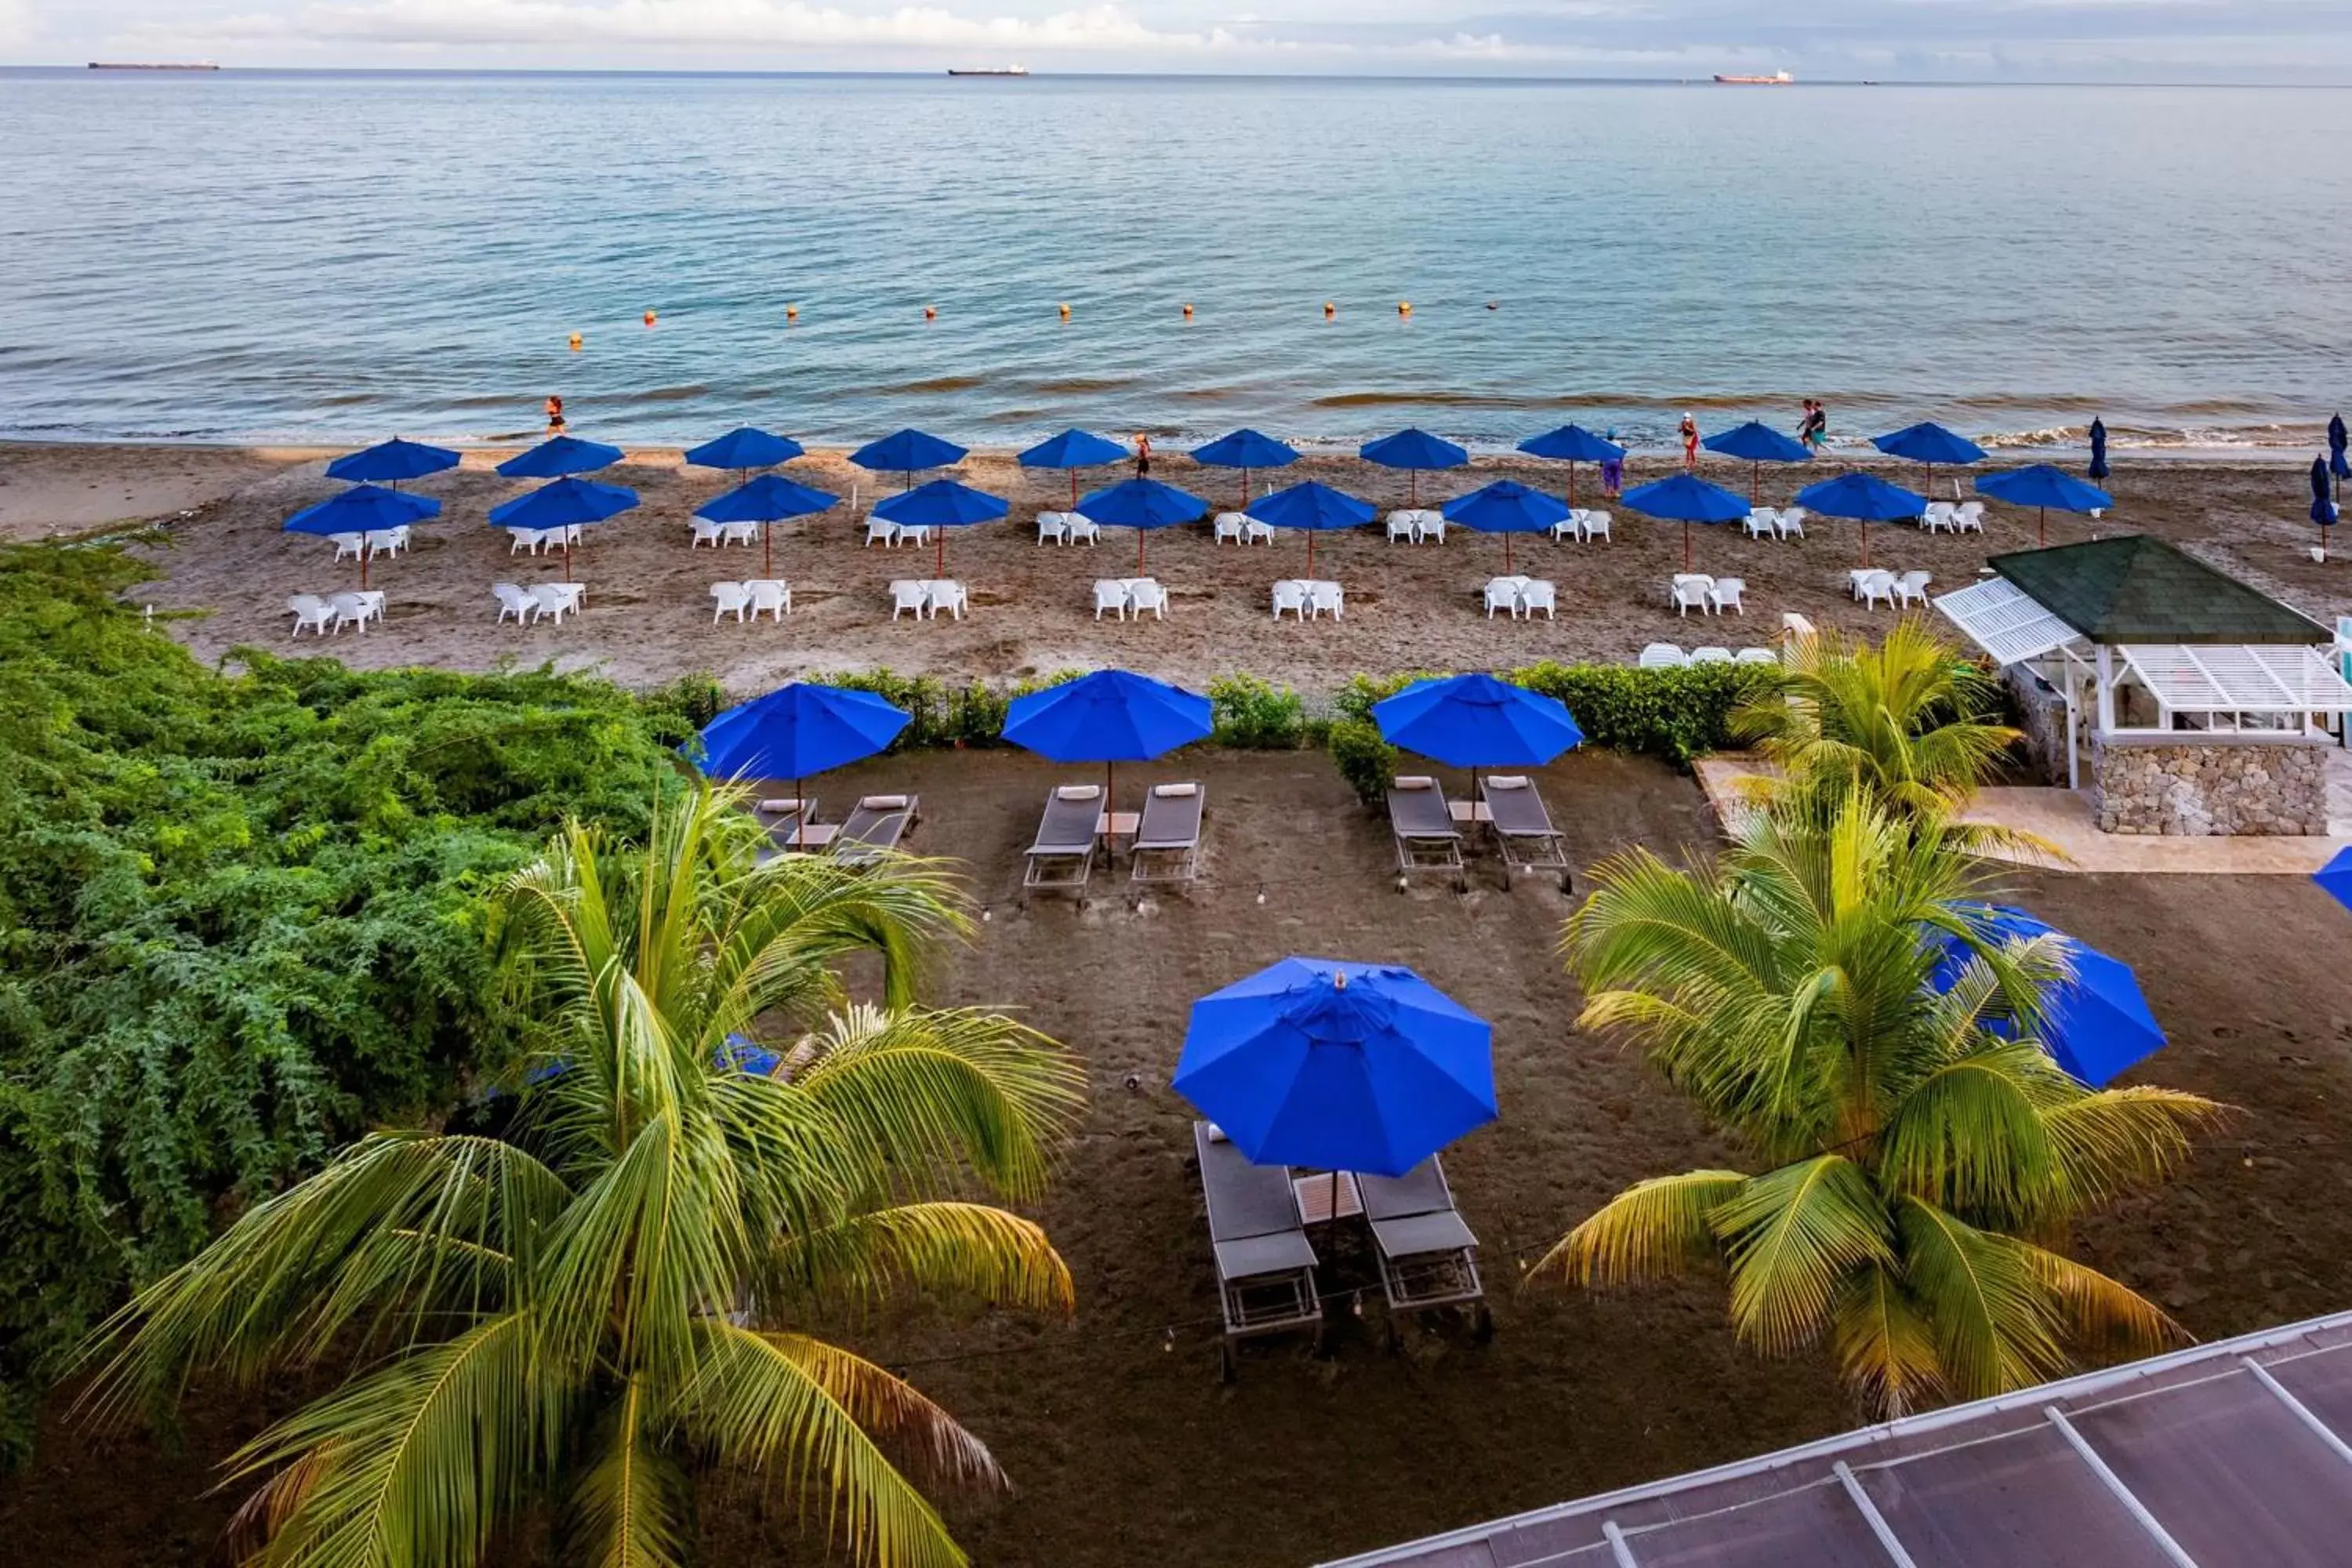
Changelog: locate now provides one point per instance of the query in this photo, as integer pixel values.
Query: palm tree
(1919, 1156)
(566, 1324)
(1900, 721)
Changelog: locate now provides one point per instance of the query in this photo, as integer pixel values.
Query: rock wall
(2042, 714)
(2199, 787)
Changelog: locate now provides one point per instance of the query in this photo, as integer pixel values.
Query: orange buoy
(1188, 311)
(1064, 309)
(1331, 311)
(930, 314)
(792, 312)
(575, 343)
(649, 318)
(1404, 307)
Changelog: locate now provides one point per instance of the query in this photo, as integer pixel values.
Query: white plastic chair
(1569, 527)
(1937, 516)
(1711, 656)
(706, 532)
(947, 594)
(1912, 586)
(740, 532)
(350, 544)
(1404, 525)
(1756, 656)
(730, 599)
(1110, 594)
(1537, 594)
(1290, 595)
(1968, 517)
(1689, 590)
(1872, 587)
(1761, 523)
(557, 599)
(311, 611)
(1146, 593)
(523, 539)
(1256, 532)
(1431, 525)
(1054, 526)
(1322, 597)
(1082, 529)
(1503, 594)
(513, 601)
(1593, 525)
(387, 541)
(1228, 525)
(1789, 521)
(357, 609)
(905, 594)
(882, 528)
(1725, 594)
(1663, 655)
(916, 534)
(772, 595)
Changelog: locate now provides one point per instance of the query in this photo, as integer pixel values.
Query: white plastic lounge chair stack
(1690, 591)
(1503, 594)
(1429, 1258)
(1761, 523)
(1937, 516)
(1871, 585)
(1145, 594)
(1430, 526)
(1167, 846)
(745, 534)
(945, 594)
(558, 599)
(1912, 586)
(523, 539)
(705, 531)
(1421, 824)
(1054, 526)
(1725, 595)
(875, 829)
(1266, 1266)
(908, 593)
(1326, 597)
(1110, 594)
(357, 608)
(1968, 517)
(353, 545)
(311, 611)
(1082, 531)
(1062, 856)
(1539, 594)
(730, 598)
(1789, 521)
(1256, 532)
(1569, 527)
(883, 530)
(1591, 525)
(1522, 827)
(772, 595)
(1404, 525)
(1228, 525)
(1756, 656)
(1663, 655)
(1711, 656)
(387, 541)
(1290, 595)
(513, 601)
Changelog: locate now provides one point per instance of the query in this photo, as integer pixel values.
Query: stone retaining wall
(2198, 787)
(2042, 714)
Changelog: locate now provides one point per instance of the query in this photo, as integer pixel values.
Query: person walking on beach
(1815, 431)
(1612, 472)
(1142, 455)
(1690, 443)
(555, 417)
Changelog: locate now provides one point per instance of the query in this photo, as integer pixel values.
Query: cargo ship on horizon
(1777, 79)
(988, 70)
(152, 66)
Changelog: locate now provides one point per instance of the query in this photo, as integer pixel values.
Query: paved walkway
(2062, 818)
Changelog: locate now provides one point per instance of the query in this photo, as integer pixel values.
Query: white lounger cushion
(1413, 780)
(884, 803)
(1506, 780)
(1078, 792)
(1175, 790)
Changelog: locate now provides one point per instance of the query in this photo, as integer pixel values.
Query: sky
(2073, 40)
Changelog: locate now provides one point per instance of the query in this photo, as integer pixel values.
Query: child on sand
(1142, 455)
(555, 417)
(1612, 472)
(1690, 443)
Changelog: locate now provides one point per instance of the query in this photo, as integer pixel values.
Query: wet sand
(649, 613)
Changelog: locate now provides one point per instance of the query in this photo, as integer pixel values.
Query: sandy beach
(650, 614)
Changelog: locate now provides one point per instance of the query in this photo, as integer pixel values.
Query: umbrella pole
(1506, 556)
(1411, 499)
(1687, 555)
(567, 555)
(1866, 542)
(1571, 486)
(1311, 555)
(364, 562)
(939, 563)
(2042, 527)
(1074, 489)
(1138, 552)
(1755, 483)
(767, 550)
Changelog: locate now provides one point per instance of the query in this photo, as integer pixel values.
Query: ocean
(338, 257)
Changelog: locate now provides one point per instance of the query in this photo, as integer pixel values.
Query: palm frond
(2105, 1317)
(1997, 1323)
(625, 1509)
(1885, 1345)
(2116, 1141)
(959, 1248)
(1655, 1229)
(1971, 1136)
(1795, 1238)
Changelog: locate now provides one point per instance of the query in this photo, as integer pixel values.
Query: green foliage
(1254, 714)
(1368, 763)
(1677, 714)
(945, 715)
(241, 916)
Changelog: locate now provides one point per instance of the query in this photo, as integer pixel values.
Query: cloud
(15, 23)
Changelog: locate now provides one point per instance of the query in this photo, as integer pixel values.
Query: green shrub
(1364, 759)
(1676, 714)
(1256, 714)
(969, 715)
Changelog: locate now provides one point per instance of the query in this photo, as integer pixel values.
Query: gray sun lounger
(1422, 826)
(1428, 1256)
(782, 817)
(1063, 857)
(1265, 1267)
(1522, 826)
(1168, 839)
(875, 827)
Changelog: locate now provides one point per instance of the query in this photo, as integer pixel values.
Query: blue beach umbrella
(1476, 721)
(768, 499)
(1928, 444)
(2335, 878)
(1312, 507)
(362, 509)
(1756, 443)
(1573, 443)
(796, 731)
(1685, 498)
(2043, 487)
(1111, 716)
(904, 451)
(389, 462)
(1339, 1066)
(1246, 450)
(564, 503)
(2098, 466)
(941, 504)
(1506, 507)
(743, 449)
(2096, 1025)
(1073, 450)
(559, 457)
(1414, 450)
(1865, 498)
(1141, 504)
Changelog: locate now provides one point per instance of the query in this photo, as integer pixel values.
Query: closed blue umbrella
(743, 449)
(2096, 1024)
(1478, 722)
(1506, 507)
(768, 499)
(560, 457)
(2323, 510)
(1414, 450)
(1573, 443)
(2098, 468)
(1865, 498)
(2337, 437)
(362, 509)
(389, 462)
(1339, 1066)
(904, 451)
(796, 731)
(1111, 716)
(2043, 487)
(941, 504)
(564, 503)
(1756, 443)
(1141, 504)
(1246, 450)
(1928, 444)
(1073, 450)
(1685, 498)
(1312, 507)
